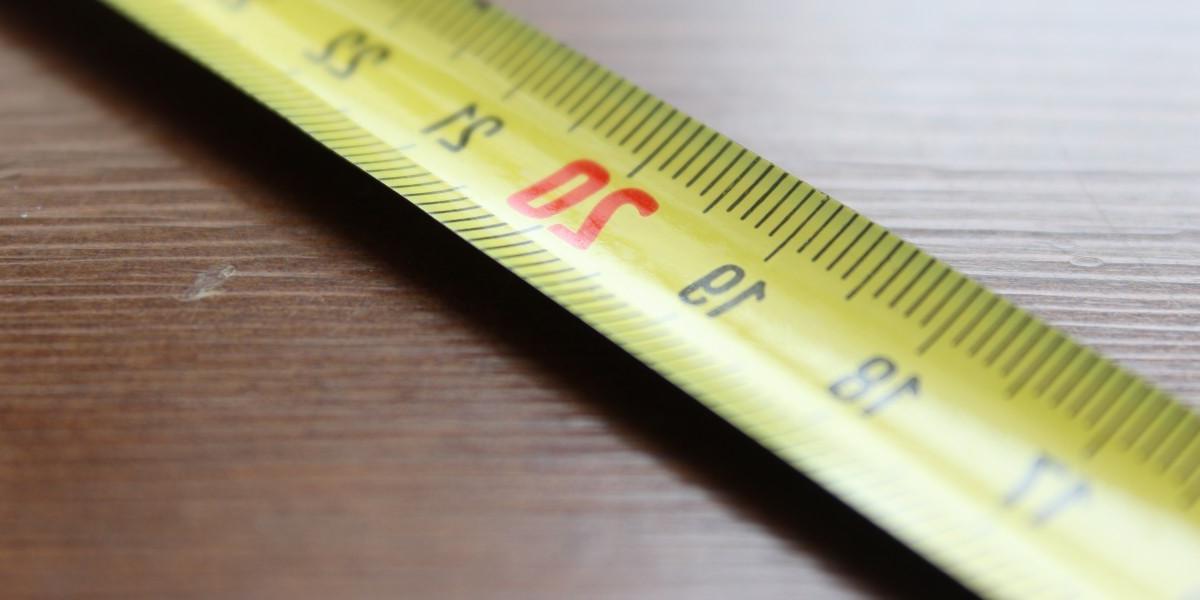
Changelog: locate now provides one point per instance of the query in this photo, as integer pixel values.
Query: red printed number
(595, 177)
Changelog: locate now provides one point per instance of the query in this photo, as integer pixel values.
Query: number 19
(718, 282)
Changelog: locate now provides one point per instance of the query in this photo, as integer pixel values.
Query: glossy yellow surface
(1019, 462)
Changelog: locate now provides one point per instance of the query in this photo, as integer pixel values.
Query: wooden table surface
(230, 366)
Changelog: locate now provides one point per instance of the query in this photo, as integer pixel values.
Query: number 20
(595, 178)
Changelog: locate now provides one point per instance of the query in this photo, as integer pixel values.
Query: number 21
(486, 125)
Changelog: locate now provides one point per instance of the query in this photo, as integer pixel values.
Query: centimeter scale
(1020, 462)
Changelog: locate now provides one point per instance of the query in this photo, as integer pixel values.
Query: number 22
(358, 48)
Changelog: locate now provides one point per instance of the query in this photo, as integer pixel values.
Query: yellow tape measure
(1018, 461)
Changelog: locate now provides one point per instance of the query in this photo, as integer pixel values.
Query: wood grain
(231, 366)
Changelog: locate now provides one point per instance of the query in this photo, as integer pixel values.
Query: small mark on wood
(1087, 261)
(209, 283)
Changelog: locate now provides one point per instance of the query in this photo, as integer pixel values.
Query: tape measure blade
(1014, 458)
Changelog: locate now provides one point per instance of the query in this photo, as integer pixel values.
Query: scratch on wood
(209, 283)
